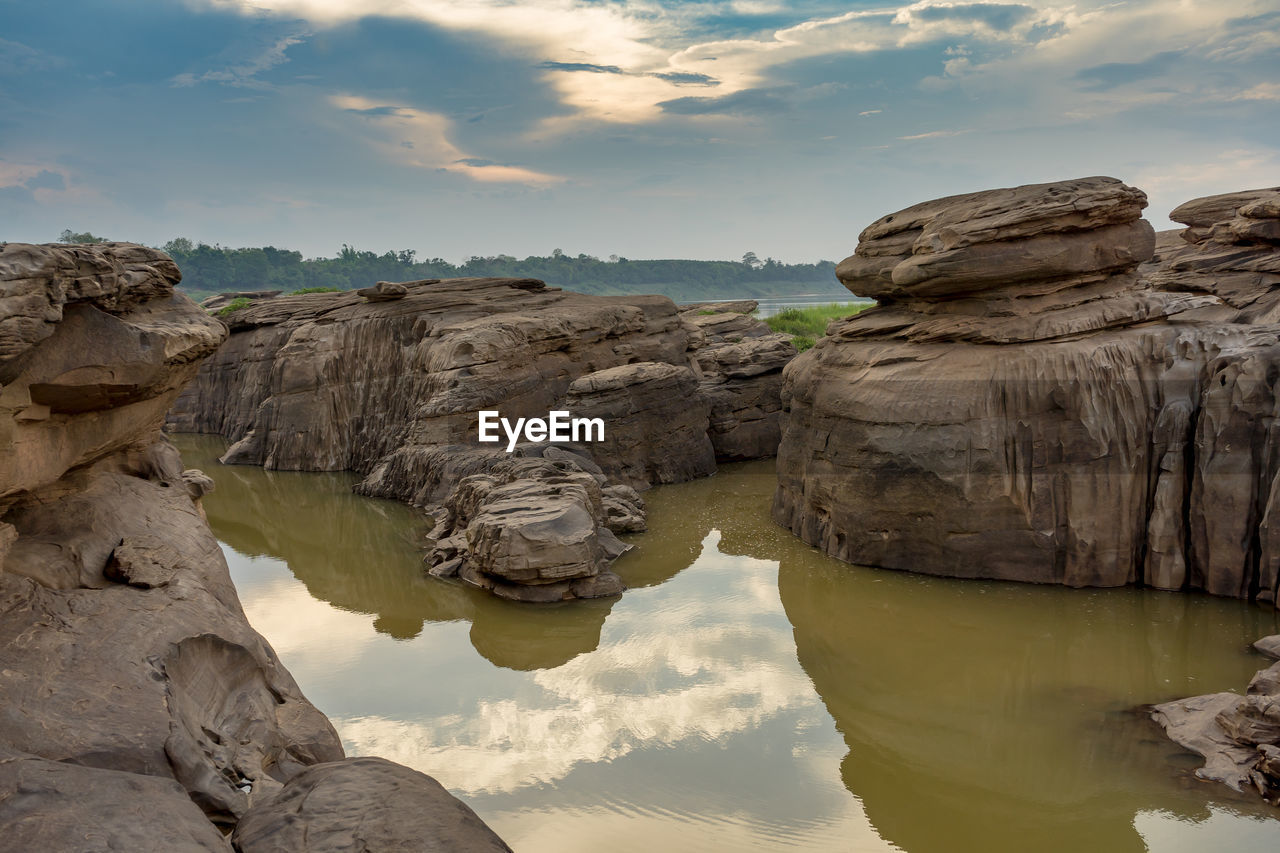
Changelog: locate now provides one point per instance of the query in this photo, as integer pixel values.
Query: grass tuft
(806, 325)
(234, 305)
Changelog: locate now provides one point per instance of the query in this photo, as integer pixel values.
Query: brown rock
(53, 805)
(363, 804)
(1069, 424)
(655, 423)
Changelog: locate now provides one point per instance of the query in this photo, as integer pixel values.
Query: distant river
(747, 693)
(772, 305)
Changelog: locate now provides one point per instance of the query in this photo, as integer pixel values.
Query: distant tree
(179, 246)
(750, 259)
(69, 236)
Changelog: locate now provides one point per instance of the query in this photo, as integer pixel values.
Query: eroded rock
(1024, 403)
(363, 804)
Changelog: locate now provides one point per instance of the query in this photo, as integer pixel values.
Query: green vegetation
(207, 270)
(234, 305)
(806, 325)
(300, 291)
(69, 236)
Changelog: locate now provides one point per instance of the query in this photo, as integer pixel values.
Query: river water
(747, 693)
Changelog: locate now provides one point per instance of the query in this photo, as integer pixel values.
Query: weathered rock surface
(534, 528)
(363, 804)
(222, 300)
(389, 381)
(1230, 249)
(740, 360)
(138, 708)
(1023, 404)
(655, 423)
(1238, 736)
(55, 805)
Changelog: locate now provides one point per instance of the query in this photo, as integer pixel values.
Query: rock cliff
(1025, 403)
(389, 381)
(138, 709)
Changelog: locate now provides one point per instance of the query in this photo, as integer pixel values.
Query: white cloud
(420, 139)
(706, 676)
(244, 73)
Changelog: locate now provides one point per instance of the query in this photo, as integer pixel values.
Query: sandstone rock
(54, 805)
(1193, 724)
(100, 360)
(222, 300)
(1230, 251)
(386, 291)
(135, 714)
(144, 561)
(363, 804)
(655, 423)
(532, 529)
(1269, 646)
(1070, 423)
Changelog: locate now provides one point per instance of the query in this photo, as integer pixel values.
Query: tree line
(213, 269)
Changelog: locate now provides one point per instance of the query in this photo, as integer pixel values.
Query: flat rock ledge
(1238, 736)
(138, 709)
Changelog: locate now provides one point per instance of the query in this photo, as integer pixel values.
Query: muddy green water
(747, 693)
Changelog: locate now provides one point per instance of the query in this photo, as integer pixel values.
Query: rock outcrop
(389, 381)
(1238, 736)
(1025, 403)
(740, 360)
(138, 708)
(363, 804)
(535, 528)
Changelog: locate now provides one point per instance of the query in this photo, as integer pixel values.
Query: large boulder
(1024, 404)
(534, 529)
(367, 804)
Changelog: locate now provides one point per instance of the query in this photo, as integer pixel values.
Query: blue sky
(644, 129)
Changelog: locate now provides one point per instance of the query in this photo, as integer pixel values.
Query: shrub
(234, 305)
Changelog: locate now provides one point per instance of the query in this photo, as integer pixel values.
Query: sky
(642, 128)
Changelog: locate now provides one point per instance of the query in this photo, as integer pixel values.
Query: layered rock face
(1023, 404)
(1231, 249)
(389, 381)
(138, 710)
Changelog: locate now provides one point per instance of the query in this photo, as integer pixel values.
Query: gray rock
(53, 805)
(1269, 646)
(367, 804)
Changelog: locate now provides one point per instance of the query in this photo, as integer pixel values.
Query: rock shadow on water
(363, 555)
(1019, 726)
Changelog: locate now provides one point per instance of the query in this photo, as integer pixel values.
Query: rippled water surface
(746, 693)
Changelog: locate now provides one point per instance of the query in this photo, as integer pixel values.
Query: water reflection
(362, 555)
(1000, 716)
(747, 693)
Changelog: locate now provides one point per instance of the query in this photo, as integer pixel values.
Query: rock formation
(535, 529)
(138, 708)
(389, 382)
(1023, 404)
(1238, 736)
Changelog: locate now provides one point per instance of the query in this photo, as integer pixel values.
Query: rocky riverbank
(138, 708)
(389, 381)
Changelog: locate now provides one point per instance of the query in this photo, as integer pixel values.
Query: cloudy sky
(645, 128)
